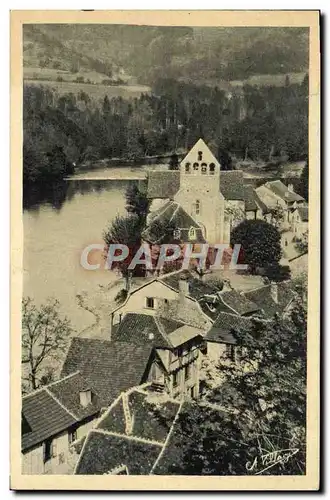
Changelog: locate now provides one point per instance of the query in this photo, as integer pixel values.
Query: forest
(61, 132)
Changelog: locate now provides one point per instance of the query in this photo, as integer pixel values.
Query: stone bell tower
(199, 193)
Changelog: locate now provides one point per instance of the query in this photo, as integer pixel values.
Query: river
(55, 233)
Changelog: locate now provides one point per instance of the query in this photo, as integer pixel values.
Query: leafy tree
(125, 230)
(174, 162)
(302, 244)
(225, 159)
(260, 243)
(277, 215)
(45, 335)
(136, 201)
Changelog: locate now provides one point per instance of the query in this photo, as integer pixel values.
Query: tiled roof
(232, 184)
(144, 329)
(238, 302)
(152, 415)
(103, 452)
(109, 367)
(197, 287)
(173, 215)
(163, 183)
(303, 212)
(283, 192)
(263, 297)
(166, 183)
(156, 438)
(224, 327)
(67, 391)
(44, 416)
(250, 198)
(184, 334)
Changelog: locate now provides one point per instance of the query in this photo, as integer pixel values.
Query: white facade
(199, 193)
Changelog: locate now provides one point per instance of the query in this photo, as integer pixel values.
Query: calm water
(55, 234)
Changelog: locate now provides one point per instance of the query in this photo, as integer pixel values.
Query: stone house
(53, 419)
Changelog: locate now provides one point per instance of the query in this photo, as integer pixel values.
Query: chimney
(85, 397)
(227, 286)
(183, 287)
(290, 188)
(273, 292)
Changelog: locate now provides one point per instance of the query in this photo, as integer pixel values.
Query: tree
(45, 335)
(303, 185)
(137, 202)
(302, 243)
(260, 243)
(174, 162)
(225, 159)
(267, 383)
(277, 215)
(125, 230)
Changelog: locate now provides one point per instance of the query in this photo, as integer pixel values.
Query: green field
(95, 91)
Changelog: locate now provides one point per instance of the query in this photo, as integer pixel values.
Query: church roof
(166, 183)
(174, 216)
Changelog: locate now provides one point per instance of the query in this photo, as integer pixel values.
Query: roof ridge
(130, 438)
(63, 378)
(36, 391)
(62, 405)
(161, 330)
(167, 438)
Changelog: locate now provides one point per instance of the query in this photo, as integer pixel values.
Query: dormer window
(192, 233)
(187, 168)
(196, 167)
(212, 168)
(204, 168)
(196, 208)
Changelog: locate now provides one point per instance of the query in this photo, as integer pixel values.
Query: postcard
(165, 250)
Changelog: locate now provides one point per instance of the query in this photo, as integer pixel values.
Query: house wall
(33, 460)
(215, 351)
(137, 301)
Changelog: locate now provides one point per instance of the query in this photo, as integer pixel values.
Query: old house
(177, 293)
(275, 193)
(176, 364)
(299, 221)
(53, 418)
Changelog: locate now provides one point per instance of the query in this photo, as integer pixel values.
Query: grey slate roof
(282, 191)
(238, 302)
(104, 452)
(232, 185)
(225, 326)
(250, 198)
(197, 287)
(163, 183)
(136, 328)
(108, 367)
(44, 416)
(263, 297)
(67, 392)
(166, 183)
(175, 216)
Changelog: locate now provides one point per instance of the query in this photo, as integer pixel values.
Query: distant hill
(144, 53)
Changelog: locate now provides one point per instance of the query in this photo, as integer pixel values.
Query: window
(200, 155)
(212, 168)
(72, 435)
(197, 207)
(150, 303)
(192, 392)
(49, 449)
(196, 167)
(175, 379)
(187, 370)
(204, 168)
(187, 168)
(192, 233)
